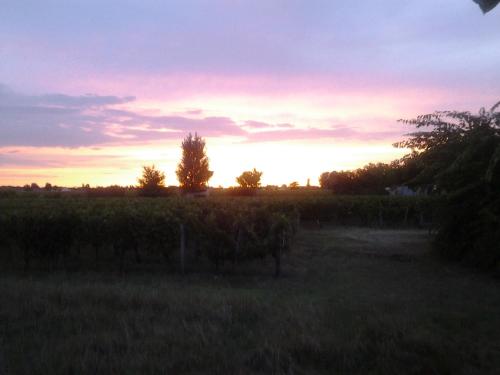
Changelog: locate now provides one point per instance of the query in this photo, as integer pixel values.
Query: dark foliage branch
(487, 5)
(459, 153)
(455, 154)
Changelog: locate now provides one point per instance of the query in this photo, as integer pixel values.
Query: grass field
(351, 300)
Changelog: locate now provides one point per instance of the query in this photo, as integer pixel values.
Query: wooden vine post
(183, 246)
(380, 215)
(237, 247)
(277, 258)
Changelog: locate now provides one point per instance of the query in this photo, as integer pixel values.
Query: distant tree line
(455, 154)
(193, 173)
(372, 179)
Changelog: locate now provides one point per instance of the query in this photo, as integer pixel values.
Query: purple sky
(125, 75)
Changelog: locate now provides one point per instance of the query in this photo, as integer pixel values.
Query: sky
(92, 90)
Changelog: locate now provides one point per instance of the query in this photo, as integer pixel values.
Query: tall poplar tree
(193, 171)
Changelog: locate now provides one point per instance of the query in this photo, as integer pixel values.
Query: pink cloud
(34, 159)
(341, 133)
(264, 125)
(93, 120)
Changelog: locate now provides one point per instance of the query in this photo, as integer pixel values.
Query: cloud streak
(338, 133)
(58, 120)
(74, 121)
(8, 97)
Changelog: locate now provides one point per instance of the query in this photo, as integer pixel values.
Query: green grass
(351, 300)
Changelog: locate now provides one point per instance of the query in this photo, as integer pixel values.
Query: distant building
(401, 190)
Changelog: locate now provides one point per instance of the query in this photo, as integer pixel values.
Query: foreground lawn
(351, 300)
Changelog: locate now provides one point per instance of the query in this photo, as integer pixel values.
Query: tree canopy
(459, 152)
(373, 178)
(152, 181)
(193, 171)
(249, 179)
(453, 149)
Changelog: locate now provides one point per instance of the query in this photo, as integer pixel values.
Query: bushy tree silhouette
(152, 182)
(249, 179)
(193, 171)
(373, 178)
(459, 152)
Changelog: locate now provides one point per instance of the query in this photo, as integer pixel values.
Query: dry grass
(352, 300)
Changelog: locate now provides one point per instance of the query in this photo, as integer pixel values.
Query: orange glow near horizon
(320, 132)
(281, 162)
(294, 157)
(90, 94)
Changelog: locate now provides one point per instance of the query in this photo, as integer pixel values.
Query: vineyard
(71, 233)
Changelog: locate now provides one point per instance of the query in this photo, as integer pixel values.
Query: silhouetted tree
(48, 186)
(193, 171)
(152, 182)
(373, 178)
(249, 179)
(459, 153)
(452, 138)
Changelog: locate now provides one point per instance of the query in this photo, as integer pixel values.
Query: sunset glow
(90, 95)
